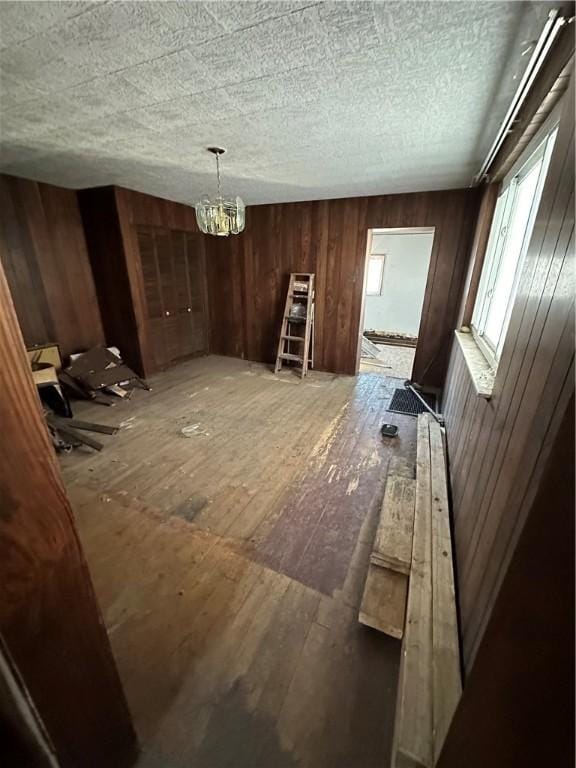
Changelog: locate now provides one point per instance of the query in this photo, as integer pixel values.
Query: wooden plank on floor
(393, 542)
(446, 680)
(90, 426)
(412, 744)
(384, 601)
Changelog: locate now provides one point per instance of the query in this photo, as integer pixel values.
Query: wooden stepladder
(297, 335)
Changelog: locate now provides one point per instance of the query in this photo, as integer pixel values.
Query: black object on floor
(389, 430)
(406, 402)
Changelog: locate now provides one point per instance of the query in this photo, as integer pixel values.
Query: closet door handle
(188, 309)
(167, 313)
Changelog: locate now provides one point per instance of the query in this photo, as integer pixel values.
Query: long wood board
(446, 680)
(412, 744)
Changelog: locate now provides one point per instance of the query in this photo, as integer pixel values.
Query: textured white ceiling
(311, 99)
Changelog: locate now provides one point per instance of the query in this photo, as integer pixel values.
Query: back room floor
(228, 527)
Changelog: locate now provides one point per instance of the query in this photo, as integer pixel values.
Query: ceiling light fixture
(218, 216)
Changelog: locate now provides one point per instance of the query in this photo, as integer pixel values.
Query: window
(374, 278)
(510, 234)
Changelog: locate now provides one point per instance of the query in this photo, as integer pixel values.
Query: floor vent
(404, 401)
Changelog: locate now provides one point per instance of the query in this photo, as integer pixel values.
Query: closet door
(164, 257)
(197, 290)
(147, 247)
(175, 287)
(183, 297)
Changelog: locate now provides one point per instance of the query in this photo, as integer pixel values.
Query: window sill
(481, 372)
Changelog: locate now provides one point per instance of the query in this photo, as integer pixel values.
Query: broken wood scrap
(58, 442)
(75, 388)
(63, 429)
(105, 378)
(100, 373)
(383, 604)
(116, 389)
(391, 339)
(102, 399)
(369, 349)
(393, 543)
(90, 426)
(70, 383)
(95, 359)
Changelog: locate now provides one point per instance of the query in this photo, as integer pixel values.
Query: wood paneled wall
(517, 709)
(134, 209)
(111, 217)
(154, 212)
(498, 447)
(50, 622)
(43, 251)
(248, 274)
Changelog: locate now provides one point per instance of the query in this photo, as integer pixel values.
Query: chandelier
(217, 215)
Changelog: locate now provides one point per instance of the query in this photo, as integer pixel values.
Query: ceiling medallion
(219, 216)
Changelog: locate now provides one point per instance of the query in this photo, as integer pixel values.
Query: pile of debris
(369, 349)
(390, 338)
(100, 375)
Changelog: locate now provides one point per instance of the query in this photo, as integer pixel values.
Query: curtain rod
(549, 33)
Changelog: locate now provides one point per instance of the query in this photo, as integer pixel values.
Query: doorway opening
(397, 263)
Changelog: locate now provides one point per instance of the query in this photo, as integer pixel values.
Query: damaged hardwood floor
(228, 528)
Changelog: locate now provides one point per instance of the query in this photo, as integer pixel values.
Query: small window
(508, 242)
(374, 278)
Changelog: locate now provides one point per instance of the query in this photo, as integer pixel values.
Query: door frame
(424, 230)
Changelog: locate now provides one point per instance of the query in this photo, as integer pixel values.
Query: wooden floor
(228, 527)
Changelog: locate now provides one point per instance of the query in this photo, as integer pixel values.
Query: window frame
(381, 257)
(539, 151)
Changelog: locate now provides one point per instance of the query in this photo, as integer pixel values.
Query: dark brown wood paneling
(226, 299)
(153, 295)
(248, 274)
(113, 217)
(517, 710)
(498, 448)
(50, 622)
(43, 250)
(113, 285)
(155, 212)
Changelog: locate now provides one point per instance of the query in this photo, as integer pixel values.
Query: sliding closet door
(175, 286)
(183, 298)
(164, 257)
(197, 288)
(154, 303)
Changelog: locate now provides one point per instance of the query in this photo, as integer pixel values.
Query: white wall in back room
(406, 262)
